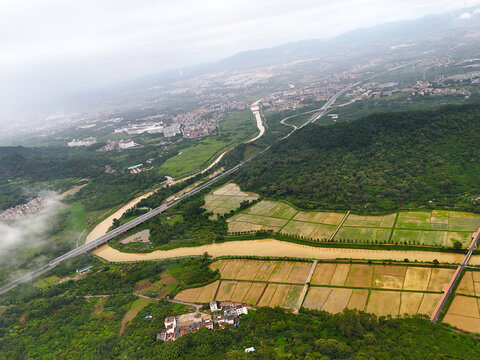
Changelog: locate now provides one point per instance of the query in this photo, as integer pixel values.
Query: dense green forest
(58, 168)
(381, 162)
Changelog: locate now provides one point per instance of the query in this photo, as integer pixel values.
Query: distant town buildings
(126, 144)
(30, 208)
(85, 142)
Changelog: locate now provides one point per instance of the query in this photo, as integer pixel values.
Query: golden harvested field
(316, 297)
(218, 265)
(429, 302)
(337, 300)
(384, 302)
(340, 274)
(232, 268)
(417, 278)
(240, 291)
(281, 271)
(299, 273)
(358, 300)
(292, 297)
(225, 290)
(278, 299)
(208, 292)
(323, 273)
(464, 313)
(410, 303)
(254, 293)
(249, 270)
(265, 271)
(189, 295)
(381, 281)
(466, 285)
(439, 278)
(360, 275)
(267, 295)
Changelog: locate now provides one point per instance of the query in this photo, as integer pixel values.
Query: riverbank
(277, 248)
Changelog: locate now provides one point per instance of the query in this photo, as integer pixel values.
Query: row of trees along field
(382, 162)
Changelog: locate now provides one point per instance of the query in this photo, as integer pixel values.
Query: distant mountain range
(420, 33)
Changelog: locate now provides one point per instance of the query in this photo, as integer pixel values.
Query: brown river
(276, 248)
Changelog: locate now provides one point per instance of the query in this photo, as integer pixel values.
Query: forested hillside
(381, 162)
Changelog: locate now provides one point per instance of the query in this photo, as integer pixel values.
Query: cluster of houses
(225, 315)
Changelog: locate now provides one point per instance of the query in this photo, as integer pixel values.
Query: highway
(92, 245)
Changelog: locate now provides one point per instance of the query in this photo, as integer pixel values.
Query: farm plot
(322, 231)
(189, 295)
(282, 271)
(280, 295)
(323, 273)
(240, 291)
(385, 221)
(467, 285)
(249, 222)
(388, 276)
(299, 273)
(384, 303)
(417, 278)
(254, 293)
(464, 313)
(249, 270)
(428, 304)
(358, 300)
(226, 198)
(316, 297)
(410, 303)
(225, 290)
(463, 221)
(439, 278)
(265, 271)
(298, 228)
(359, 275)
(232, 269)
(273, 209)
(359, 234)
(340, 275)
(337, 300)
(208, 292)
(267, 295)
(419, 220)
(292, 297)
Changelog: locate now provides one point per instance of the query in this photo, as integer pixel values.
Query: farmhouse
(214, 306)
(178, 326)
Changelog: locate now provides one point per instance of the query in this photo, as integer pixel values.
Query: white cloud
(61, 46)
(465, 16)
(477, 11)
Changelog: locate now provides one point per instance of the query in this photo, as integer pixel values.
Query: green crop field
(238, 127)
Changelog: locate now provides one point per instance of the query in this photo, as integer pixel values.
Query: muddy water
(271, 247)
(102, 228)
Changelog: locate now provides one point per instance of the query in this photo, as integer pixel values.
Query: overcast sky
(54, 47)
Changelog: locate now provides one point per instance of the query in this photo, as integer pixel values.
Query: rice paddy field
(431, 228)
(226, 198)
(464, 313)
(381, 289)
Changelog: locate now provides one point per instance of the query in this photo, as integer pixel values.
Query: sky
(50, 49)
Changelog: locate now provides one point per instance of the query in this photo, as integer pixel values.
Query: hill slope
(388, 161)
